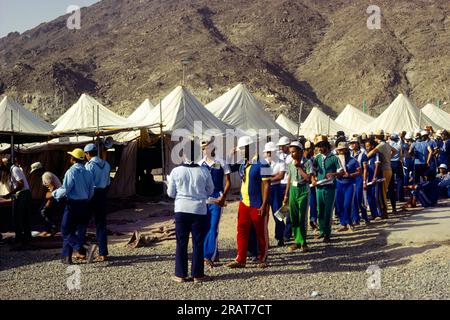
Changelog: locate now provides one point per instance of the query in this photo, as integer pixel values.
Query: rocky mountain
(320, 53)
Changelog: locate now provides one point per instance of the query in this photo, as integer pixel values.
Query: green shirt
(294, 173)
(324, 165)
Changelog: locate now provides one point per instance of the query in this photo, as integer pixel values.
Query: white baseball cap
(244, 141)
(284, 141)
(270, 147)
(443, 166)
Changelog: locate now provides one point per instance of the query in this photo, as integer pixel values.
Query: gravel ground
(334, 271)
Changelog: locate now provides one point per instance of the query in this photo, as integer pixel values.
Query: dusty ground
(411, 266)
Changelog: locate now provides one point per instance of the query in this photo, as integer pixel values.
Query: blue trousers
(288, 228)
(276, 202)
(313, 205)
(345, 199)
(409, 170)
(98, 206)
(359, 202)
(75, 214)
(373, 199)
(211, 248)
(185, 224)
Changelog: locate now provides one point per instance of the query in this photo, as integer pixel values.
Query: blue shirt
(252, 175)
(217, 170)
(420, 149)
(190, 186)
(351, 166)
(100, 171)
(371, 167)
(78, 184)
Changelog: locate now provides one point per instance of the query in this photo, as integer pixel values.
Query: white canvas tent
(141, 112)
(401, 115)
(240, 109)
(287, 124)
(354, 118)
(180, 109)
(83, 114)
(23, 119)
(439, 116)
(318, 122)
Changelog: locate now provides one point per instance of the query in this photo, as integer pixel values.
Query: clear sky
(22, 15)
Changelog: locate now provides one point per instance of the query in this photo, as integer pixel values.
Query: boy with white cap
(276, 192)
(285, 156)
(297, 194)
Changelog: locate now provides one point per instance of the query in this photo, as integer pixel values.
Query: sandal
(181, 279)
(205, 278)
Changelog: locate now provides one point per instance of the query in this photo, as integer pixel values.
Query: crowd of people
(80, 196)
(353, 177)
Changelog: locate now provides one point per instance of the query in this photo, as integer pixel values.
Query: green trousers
(298, 211)
(325, 206)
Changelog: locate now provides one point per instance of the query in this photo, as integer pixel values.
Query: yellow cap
(77, 154)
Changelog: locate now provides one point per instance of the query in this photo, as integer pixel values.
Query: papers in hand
(323, 182)
(378, 181)
(282, 213)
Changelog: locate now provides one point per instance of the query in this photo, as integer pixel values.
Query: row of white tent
(401, 115)
(237, 108)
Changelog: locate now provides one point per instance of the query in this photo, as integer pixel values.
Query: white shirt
(17, 175)
(277, 167)
(286, 158)
(190, 187)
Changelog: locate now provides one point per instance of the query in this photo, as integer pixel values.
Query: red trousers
(246, 217)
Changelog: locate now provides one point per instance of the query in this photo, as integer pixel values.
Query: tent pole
(98, 130)
(162, 141)
(329, 122)
(12, 137)
(299, 120)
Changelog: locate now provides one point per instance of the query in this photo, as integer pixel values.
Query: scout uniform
(299, 200)
(326, 193)
(359, 206)
(345, 192)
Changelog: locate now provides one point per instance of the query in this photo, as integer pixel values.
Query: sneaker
(205, 278)
(235, 264)
(180, 279)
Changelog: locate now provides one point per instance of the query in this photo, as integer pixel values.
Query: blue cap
(90, 148)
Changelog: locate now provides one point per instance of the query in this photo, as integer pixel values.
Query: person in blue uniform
(219, 171)
(360, 155)
(100, 170)
(77, 190)
(370, 184)
(346, 186)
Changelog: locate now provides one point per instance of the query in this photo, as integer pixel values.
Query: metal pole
(162, 141)
(12, 137)
(299, 119)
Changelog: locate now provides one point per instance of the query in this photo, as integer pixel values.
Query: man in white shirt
(190, 185)
(276, 193)
(285, 156)
(21, 196)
